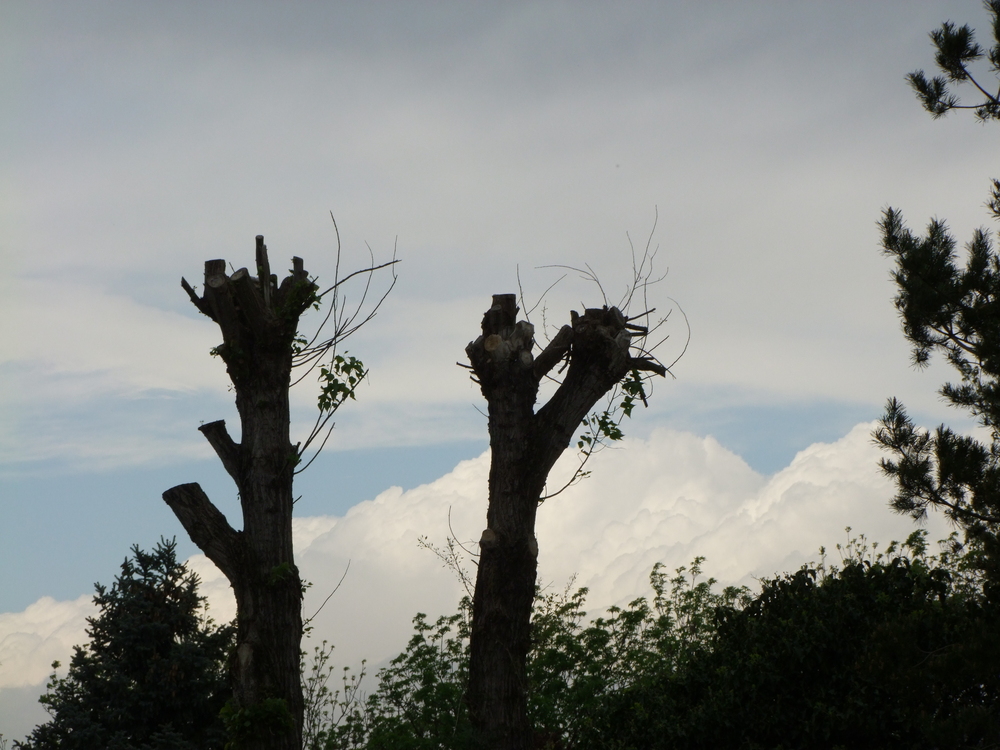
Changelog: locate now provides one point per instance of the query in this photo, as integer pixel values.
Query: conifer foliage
(951, 305)
(153, 674)
(956, 51)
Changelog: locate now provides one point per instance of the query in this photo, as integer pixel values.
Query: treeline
(886, 649)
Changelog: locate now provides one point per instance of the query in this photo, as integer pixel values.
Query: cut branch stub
(248, 307)
(251, 303)
(264, 271)
(299, 279)
(207, 527)
(502, 314)
(198, 301)
(554, 353)
(225, 447)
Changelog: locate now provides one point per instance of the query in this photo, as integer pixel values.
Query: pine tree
(951, 306)
(955, 51)
(153, 674)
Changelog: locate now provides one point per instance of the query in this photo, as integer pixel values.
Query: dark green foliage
(420, 699)
(956, 48)
(890, 650)
(419, 702)
(577, 672)
(152, 676)
(950, 306)
(574, 670)
(268, 717)
(954, 310)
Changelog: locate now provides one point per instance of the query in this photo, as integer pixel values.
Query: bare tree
(601, 349)
(259, 320)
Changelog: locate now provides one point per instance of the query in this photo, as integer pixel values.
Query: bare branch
(370, 269)
(321, 445)
(203, 308)
(207, 527)
(451, 558)
(329, 596)
(587, 275)
(554, 352)
(687, 341)
(224, 446)
(578, 474)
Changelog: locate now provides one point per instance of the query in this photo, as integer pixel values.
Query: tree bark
(524, 447)
(258, 320)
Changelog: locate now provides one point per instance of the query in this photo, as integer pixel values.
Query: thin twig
(310, 619)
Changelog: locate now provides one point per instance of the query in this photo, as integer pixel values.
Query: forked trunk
(524, 447)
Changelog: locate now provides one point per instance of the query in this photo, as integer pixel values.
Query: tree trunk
(259, 320)
(524, 447)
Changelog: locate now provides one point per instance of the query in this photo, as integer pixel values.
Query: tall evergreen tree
(951, 306)
(153, 675)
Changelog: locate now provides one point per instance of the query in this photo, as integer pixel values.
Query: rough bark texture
(258, 320)
(525, 445)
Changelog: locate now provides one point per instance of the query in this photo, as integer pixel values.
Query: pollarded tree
(599, 351)
(259, 320)
(153, 674)
(951, 307)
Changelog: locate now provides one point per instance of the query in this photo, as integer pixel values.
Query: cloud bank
(666, 499)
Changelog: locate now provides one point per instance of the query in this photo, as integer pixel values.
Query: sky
(753, 145)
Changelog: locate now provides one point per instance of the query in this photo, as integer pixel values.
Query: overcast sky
(479, 140)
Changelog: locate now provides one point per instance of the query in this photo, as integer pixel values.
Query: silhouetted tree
(893, 650)
(259, 320)
(950, 305)
(525, 444)
(154, 672)
(956, 49)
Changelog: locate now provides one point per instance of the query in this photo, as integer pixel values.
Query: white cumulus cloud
(43, 633)
(664, 499)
